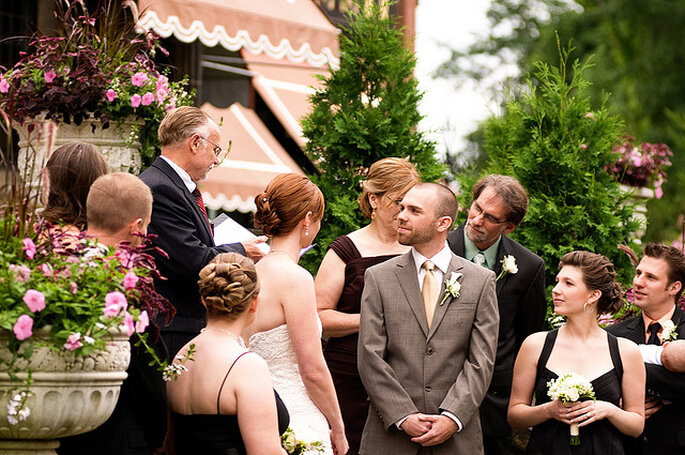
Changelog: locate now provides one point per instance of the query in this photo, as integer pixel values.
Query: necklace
(237, 338)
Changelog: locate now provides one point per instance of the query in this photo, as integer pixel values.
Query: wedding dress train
(307, 422)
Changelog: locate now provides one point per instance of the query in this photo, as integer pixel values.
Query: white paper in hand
(228, 231)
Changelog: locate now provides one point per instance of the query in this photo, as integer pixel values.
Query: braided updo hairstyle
(285, 202)
(228, 284)
(598, 274)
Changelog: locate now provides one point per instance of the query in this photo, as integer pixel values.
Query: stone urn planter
(639, 196)
(118, 143)
(70, 394)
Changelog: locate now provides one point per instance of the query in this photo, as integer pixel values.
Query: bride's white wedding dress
(276, 347)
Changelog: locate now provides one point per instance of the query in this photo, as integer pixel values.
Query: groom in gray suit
(427, 337)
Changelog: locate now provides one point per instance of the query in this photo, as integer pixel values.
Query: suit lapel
(635, 330)
(201, 222)
(502, 251)
(440, 310)
(407, 276)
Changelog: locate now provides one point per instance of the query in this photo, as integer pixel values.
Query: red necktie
(201, 203)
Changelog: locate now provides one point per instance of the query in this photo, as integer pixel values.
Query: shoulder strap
(218, 397)
(345, 248)
(615, 355)
(550, 338)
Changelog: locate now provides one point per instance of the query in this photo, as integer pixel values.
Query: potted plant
(67, 310)
(96, 74)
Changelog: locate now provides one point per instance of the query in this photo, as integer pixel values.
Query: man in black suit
(189, 141)
(499, 205)
(657, 286)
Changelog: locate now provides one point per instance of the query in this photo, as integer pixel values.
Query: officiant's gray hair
(181, 123)
(513, 194)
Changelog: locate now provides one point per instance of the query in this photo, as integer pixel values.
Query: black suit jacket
(521, 300)
(664, 430)
(184, 234)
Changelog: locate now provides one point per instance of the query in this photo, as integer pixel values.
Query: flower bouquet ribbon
(570, 388)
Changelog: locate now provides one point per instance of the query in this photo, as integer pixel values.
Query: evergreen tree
(558, 147)
(366, 110)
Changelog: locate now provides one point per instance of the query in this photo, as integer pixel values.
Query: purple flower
(35, 300)
(147, 99)
(73, 342)
(139, 79)
(4, 85)
(21, 272)
(49, 76)
(143, 322)
(23, 327)
(130, 280)
(135, 100)
(29, 248)
(110, 94)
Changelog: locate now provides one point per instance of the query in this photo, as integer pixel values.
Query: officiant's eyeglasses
(489, 218)
(218, 151)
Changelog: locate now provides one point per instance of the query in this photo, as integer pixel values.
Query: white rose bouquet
(301, 442)
(569, 388)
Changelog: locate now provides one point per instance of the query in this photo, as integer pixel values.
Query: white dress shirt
(187, 181)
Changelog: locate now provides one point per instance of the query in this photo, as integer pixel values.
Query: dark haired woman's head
(71, 170)
(228, 284)
(286, 202)
(598, 274)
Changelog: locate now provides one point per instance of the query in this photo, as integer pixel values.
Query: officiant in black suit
(499, 205)
(657, 286)
(189, 141)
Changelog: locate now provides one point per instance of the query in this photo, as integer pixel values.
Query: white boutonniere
(669, 332)
(452, 287)
(508, 266)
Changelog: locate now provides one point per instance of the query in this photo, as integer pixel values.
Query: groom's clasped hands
(429, 429)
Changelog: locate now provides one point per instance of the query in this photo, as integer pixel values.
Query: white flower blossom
(452, 287)
(669, 332)
(508, 266)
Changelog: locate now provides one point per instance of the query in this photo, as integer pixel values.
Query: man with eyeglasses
(499, 205)
(189, 140)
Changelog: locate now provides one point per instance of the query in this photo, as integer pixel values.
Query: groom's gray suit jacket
(408, 368)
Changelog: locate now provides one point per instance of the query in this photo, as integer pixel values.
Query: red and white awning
(292, 29)
(256, 157)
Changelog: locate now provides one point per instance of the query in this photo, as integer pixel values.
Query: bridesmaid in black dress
(586, 288)
(225, 403)
(340, 281)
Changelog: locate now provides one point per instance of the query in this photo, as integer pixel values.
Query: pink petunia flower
(115, 302)
(74, 287)
(130, 280)
(49, 76)
(143, 322)
(23, 328)
(147, 99)
(139, 79)
(21, 272)
(29, 248)
(658, 192)
(35, 300)
(135, 100)
(45, 268)
(73, 342)
(110, 94)
(128, 324)
(4, 85)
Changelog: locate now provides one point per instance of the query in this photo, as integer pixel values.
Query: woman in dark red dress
(340, 281)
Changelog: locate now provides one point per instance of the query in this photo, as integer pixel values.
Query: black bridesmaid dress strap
(615, 356)
(218, 397)
(550, 339)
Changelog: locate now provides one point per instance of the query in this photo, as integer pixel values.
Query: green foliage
(558, 147)
(366, 110)
(636, 62)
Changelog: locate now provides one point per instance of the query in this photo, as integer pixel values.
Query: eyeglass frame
(489, 218)
(217, 149)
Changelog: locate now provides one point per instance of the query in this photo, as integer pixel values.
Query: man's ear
(445, 223)
(509, 228)
(674, 288)
(135, 226)
(193, 142)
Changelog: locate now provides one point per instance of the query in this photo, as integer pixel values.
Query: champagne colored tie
(429, 291)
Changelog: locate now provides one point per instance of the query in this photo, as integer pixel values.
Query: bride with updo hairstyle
(286, 331)
(586, 288)
(225, 403)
